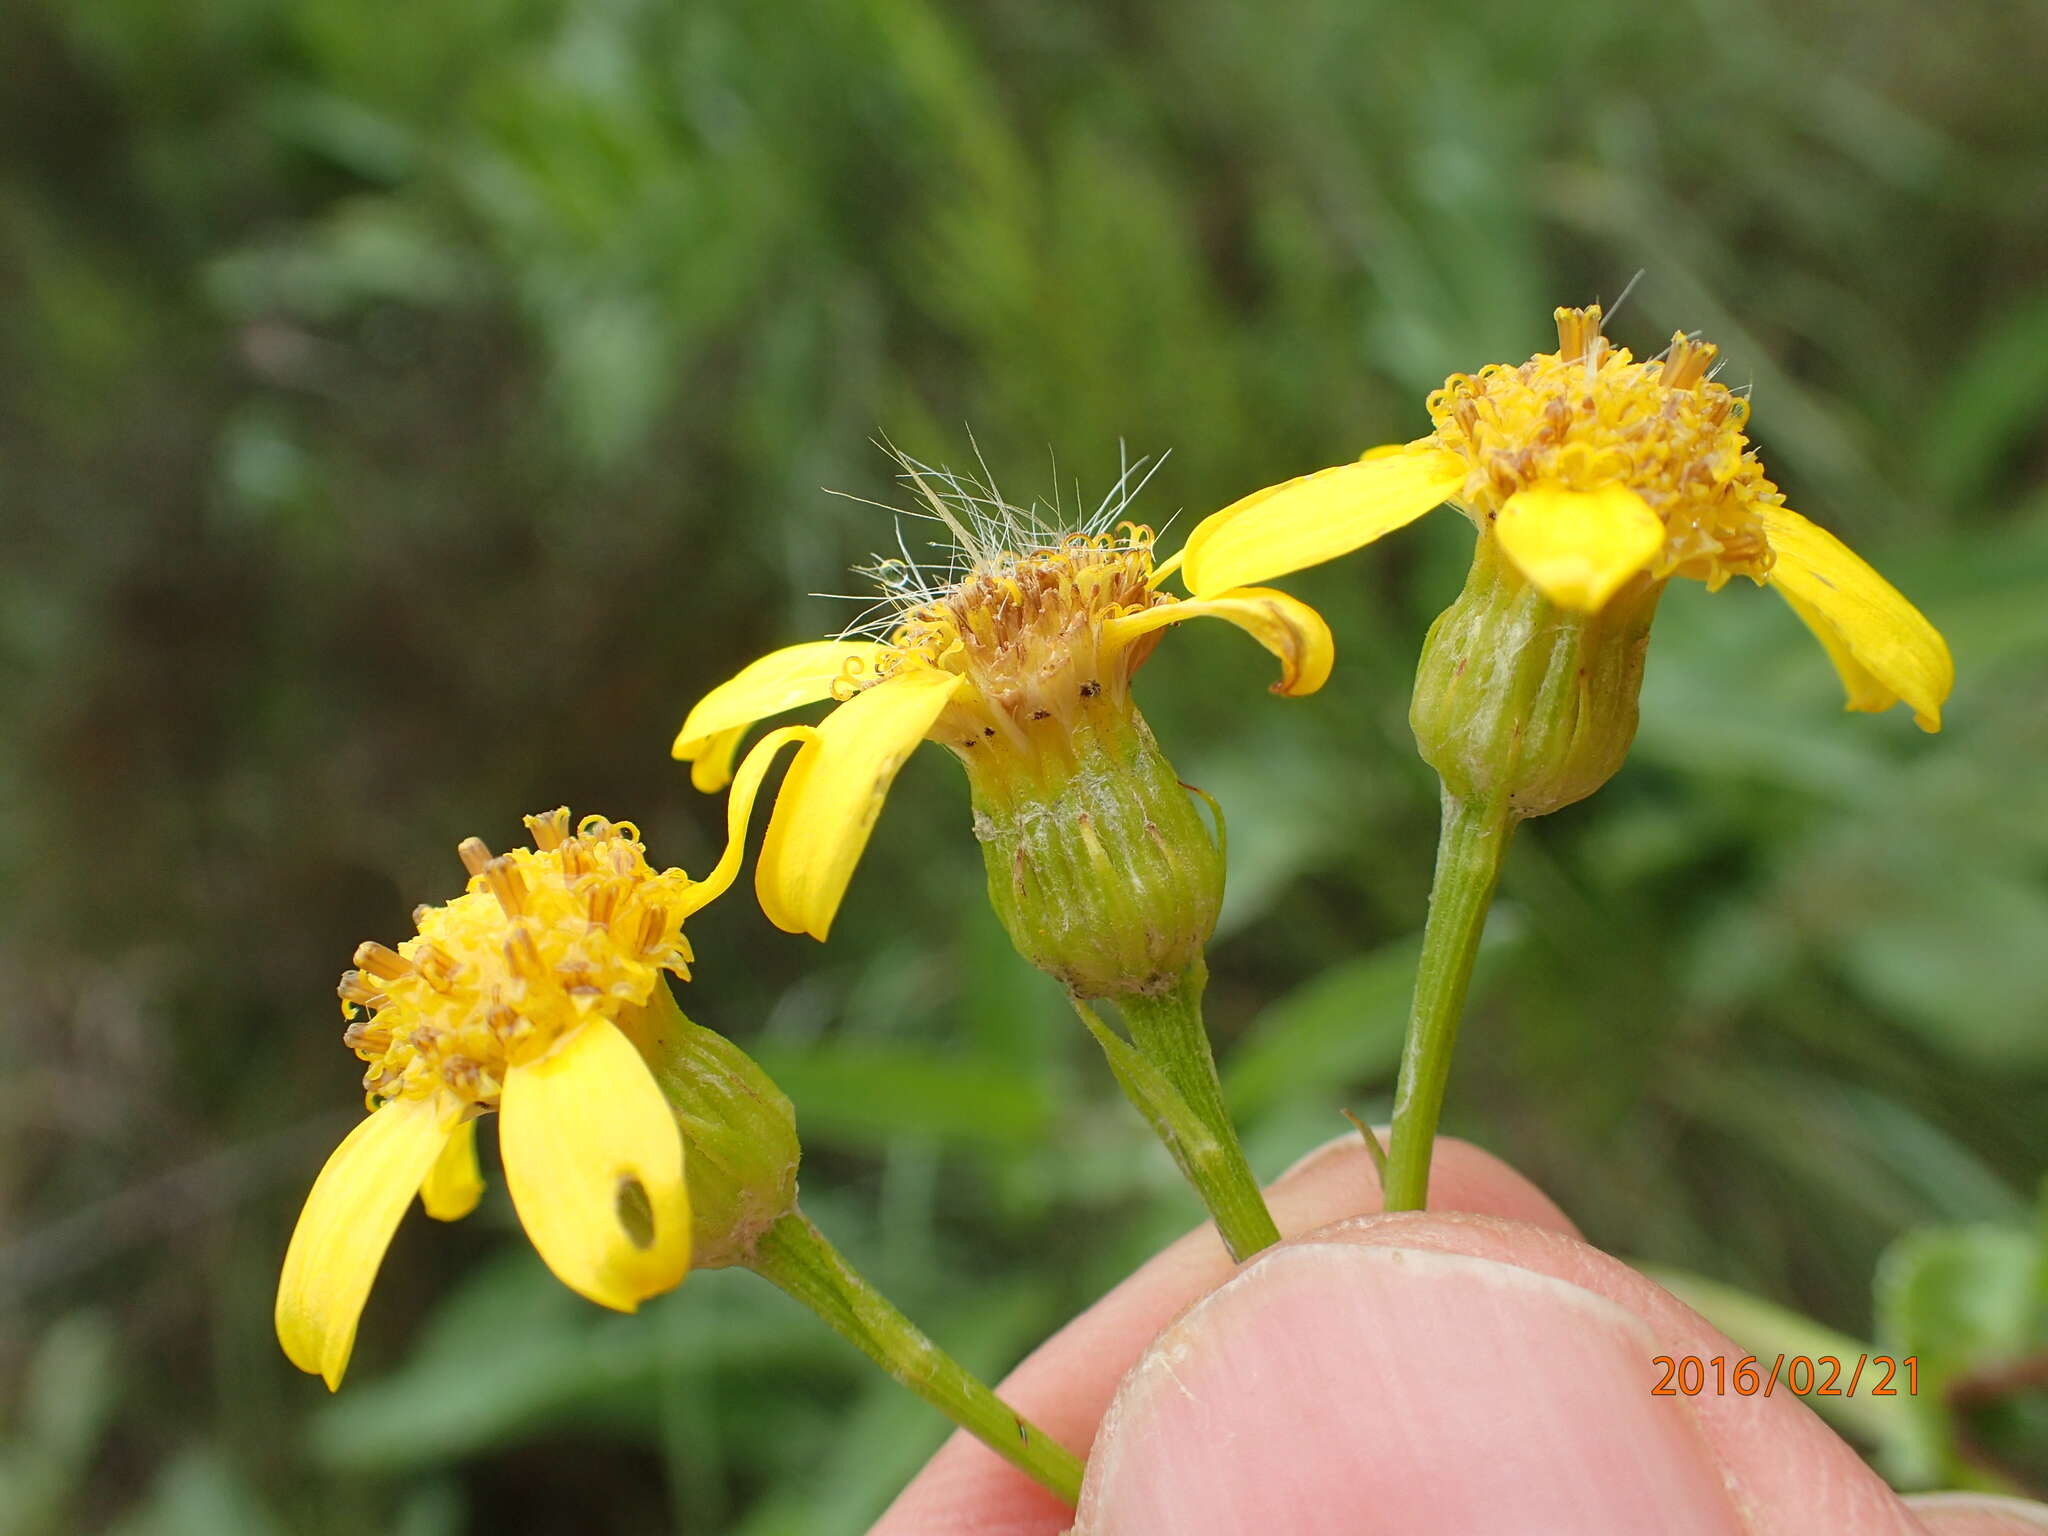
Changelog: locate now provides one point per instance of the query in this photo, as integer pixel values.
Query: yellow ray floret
(1016, 658)
(1881, 644)
(455, 1183)
(1579, 546)
(781, 680)
(1592, 470)
(1314, 518)
(834, 792)
(595, 1166)
(1294, 632)
(510, 998)
(346, 1226)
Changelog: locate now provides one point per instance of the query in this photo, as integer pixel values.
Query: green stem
(1167, 1031)
(795, 1255)
(1468, 859)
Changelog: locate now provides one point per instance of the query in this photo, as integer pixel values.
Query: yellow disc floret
(1588, 416)
(1027, 632)
(540, 939)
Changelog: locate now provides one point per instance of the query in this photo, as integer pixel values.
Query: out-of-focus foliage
(406, 410)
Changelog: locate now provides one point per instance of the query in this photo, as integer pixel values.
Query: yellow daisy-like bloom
(1591, 470)
(517, 996)
(1017, 666)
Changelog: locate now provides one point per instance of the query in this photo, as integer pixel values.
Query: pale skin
(1473, 1367)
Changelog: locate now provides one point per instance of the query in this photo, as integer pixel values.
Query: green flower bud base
(1523, 703)
(1099, 863)
(739, 1131)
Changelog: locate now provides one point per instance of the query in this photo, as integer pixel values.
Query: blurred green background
(407, 410)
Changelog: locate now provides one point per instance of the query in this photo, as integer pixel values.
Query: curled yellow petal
(1284, 625)
(711, 764)
(594, 1162)
(1317, 517)
(454, 1184)
(784, 679)
(834, 791)
(1891, 651)
(1579, 546)
(739, 811)
(347, 1224)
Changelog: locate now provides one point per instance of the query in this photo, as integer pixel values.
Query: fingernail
(1978, 1514)
(1334, 1387)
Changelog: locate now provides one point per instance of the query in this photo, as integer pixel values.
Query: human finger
(1065, 1386)
(1441, 1372)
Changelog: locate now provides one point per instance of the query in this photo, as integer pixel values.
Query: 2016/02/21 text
(1801, 1375)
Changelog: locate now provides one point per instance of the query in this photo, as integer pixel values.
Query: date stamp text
(1799, 1375)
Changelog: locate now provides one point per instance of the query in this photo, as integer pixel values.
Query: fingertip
(1441, 1391)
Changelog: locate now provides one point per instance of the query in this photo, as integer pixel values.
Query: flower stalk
(1470, 848)
(740, 1131)
(795, 1255)
(1169, 1074)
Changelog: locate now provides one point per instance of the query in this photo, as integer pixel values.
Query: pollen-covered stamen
(1578, 331)
(541, 940)
(1589, 416)
(1687, 360)
(379, 961)
(551, 830)
(360, 991)
(501, 876)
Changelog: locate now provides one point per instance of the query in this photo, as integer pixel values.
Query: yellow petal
(784, 679)
(1860, 617)
(578, 1129)
(833, 793)
(1866, 693)
(454, 1184)
(739, 810)
(347, 1224)
(1317, 517)
(1284, 625)
(1579, 546)
(711, 766)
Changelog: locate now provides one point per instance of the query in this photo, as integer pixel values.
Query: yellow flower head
(1034, 637)
(543, 937)
(1593, 470)
(1012, 654)
(511, 997)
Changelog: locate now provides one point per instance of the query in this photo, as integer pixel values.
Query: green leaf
(1957, 1300)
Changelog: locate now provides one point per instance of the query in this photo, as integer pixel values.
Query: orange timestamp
(1800, 1375)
